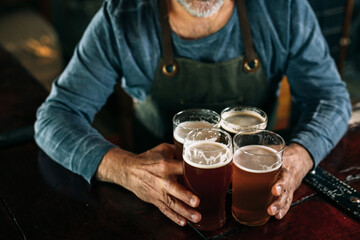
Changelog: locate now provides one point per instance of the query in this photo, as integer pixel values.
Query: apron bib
(193, 84)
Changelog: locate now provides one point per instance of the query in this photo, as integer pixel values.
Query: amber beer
(190, 119)
(207, 173)
(236, 119)
(256, 165)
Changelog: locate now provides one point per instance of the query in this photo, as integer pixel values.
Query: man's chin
(201, 8)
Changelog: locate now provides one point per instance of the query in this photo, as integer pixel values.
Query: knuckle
(169, 200)
(289, 176)
(163, 146)
(289, 200)
(284, 198)
(168, 185)
(163, 166)
(282, 201)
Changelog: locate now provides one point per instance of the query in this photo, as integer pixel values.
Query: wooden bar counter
(39, 199)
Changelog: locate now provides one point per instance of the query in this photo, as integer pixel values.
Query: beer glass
(207, 162)
(190, 119)
(236, 119)
(256, 166)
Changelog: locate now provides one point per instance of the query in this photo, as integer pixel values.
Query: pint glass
(207, 158)
(187, 120)
(236, 119)
(256, 166)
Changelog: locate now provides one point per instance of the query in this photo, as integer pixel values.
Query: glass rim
(228, 145)
(259, 111)
(195, 110)
(283, 144)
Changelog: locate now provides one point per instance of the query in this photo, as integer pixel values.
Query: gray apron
(181, 83)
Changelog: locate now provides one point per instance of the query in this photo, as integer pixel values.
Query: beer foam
(257, 159)
(236, 121)
(207, 154)
(185, 127)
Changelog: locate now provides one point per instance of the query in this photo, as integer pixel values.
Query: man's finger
(285, 207)
(281, 183)
(281, 190)
(180, 208)
(178, 191)
(175, 167)
(167, 211)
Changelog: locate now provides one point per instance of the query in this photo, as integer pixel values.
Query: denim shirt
(123, 43)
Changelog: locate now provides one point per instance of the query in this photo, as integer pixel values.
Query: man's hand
(152, 176)
(296, 164)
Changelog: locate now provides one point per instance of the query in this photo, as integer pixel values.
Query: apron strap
(169, 67)
(251, 62)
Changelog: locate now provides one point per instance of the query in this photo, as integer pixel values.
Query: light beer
(207, 173)
(236, 119)
(255, 171)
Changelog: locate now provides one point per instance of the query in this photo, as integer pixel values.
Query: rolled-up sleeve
(316, 86)
(63, 126)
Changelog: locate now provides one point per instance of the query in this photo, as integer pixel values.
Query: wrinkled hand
(152, 176)
(296, 164)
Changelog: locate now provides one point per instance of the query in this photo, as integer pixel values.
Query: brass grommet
(167, 72)
(252, 66)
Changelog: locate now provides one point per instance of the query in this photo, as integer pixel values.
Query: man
(192, 53)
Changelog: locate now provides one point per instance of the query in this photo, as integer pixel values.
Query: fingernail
(182, 223)
(195, 217)
(274, 209)
(280, 215)
(193, 201)
(278, 189)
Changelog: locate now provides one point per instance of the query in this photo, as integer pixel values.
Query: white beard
(201, 8)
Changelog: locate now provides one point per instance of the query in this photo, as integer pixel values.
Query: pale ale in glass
(256, 165)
